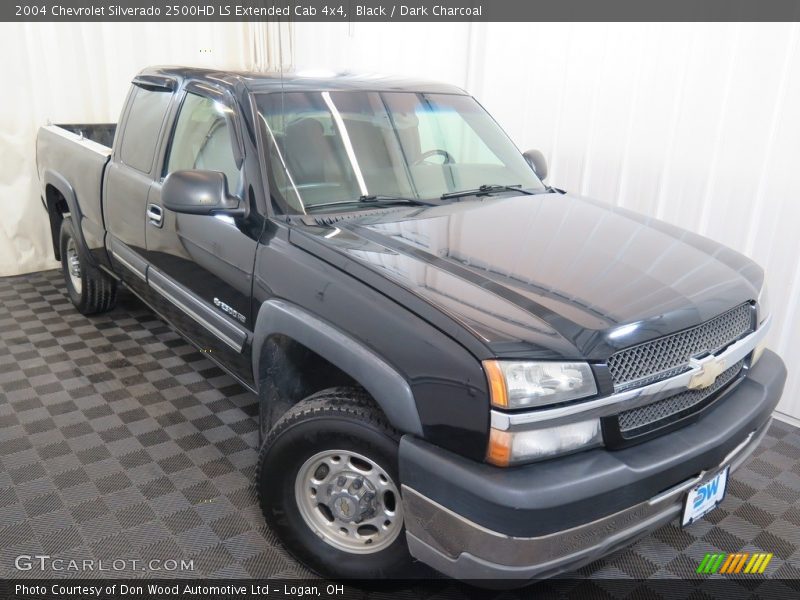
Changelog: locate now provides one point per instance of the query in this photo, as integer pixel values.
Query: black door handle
(155, 215)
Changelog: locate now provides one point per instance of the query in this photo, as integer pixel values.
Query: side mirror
(538, 163)
(199, 193)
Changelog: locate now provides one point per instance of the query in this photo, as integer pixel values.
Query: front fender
(389, 389)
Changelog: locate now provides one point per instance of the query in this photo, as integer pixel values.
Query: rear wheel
(329, 487)
(89, 289)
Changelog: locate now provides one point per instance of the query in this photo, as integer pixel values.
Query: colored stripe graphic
(752, 563)
(726, 567)
(734, 563)
(741, 562)
(764, 564)
(711, 563)
(702, 567)
(759, 562)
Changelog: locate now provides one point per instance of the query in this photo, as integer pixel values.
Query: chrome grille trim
(669, 355)
(648, 418)
(625, 400)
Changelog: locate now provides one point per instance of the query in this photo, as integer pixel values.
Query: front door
(130, 175)
(201, 266)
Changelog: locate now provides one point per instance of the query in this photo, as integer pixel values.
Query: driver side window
(202, 140)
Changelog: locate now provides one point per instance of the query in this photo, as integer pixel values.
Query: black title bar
(284, 589)
(387, 10)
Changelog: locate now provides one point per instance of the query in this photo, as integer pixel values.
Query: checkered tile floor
(118, 440)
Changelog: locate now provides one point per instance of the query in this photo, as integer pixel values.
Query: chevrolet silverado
(456, 364)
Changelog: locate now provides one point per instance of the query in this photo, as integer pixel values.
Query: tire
(89, 289)
(326, 423)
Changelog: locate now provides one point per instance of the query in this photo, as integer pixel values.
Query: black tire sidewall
(284, 456)
(67, 232)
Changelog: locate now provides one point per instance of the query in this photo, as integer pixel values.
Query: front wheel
(328, 486)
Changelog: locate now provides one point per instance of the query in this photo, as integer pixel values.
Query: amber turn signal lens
(497, 383)
(499, 451)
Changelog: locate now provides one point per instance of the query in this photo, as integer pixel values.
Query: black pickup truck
(455, 362)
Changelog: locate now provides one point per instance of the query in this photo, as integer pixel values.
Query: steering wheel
(448, 159)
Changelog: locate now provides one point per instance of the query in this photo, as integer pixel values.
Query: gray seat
(308, 151)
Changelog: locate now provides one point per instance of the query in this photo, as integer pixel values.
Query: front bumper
(477, 522)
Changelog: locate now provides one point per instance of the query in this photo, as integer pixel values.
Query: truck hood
(546, 276)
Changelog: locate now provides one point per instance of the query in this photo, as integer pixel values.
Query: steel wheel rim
(74, 266)
(339, 510)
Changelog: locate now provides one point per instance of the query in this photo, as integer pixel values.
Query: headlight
(526, 384)
(508, 448)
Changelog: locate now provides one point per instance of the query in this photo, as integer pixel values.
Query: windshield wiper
(382, 199)
(487, 189)
(377, 200)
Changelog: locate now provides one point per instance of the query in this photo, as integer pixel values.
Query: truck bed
(73, 157)
(101, 133)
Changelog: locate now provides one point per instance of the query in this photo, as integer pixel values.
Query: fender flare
(57, 181)
(389, 389)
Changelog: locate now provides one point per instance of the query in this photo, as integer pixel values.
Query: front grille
(668, 356)
(638, 421)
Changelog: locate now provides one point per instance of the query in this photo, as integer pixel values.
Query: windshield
(327, 148)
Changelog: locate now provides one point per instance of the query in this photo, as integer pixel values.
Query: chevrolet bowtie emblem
(710, 369)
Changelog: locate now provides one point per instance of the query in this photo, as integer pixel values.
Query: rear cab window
(148, 109)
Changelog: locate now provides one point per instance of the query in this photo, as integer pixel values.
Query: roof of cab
(305, 80)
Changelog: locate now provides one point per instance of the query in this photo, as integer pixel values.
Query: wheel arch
(60, 199)
(283, 327)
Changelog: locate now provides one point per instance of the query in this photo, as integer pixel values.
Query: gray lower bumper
(465, 550)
